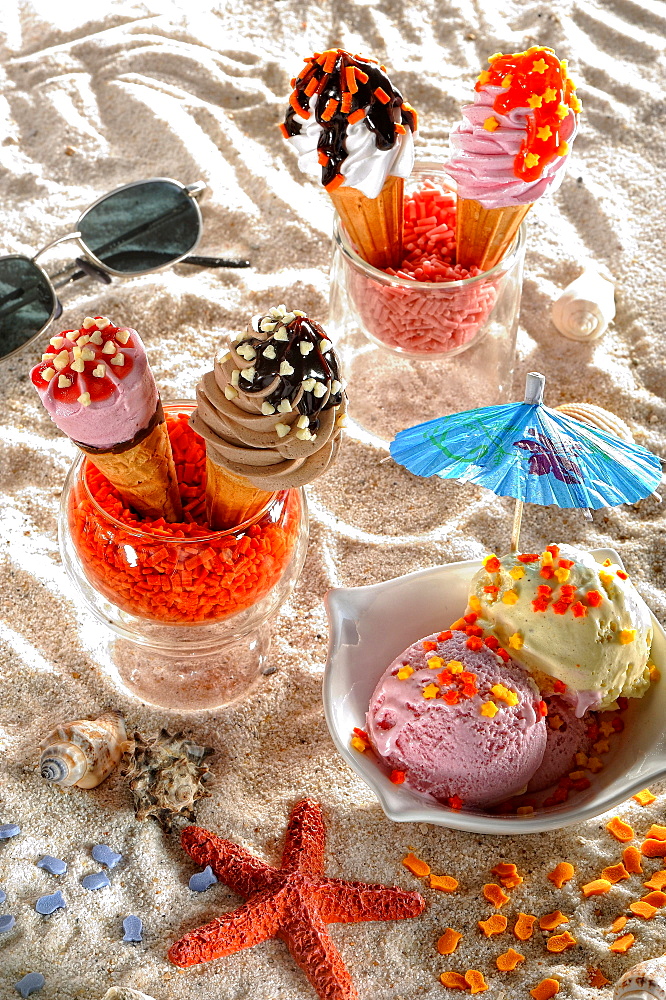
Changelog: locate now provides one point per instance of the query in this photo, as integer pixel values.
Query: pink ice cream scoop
(96, 384)
(514, 141)
(567, 735)
(459, 721)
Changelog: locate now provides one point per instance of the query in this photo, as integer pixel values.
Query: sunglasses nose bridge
(55, 243)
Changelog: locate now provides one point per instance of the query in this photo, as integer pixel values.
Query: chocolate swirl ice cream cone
(271, 413)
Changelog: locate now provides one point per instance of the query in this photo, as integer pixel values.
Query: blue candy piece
(3, 895)
(53, 865)
(29, 984)
(48, 904)
(98, 880)
(133, 927)
(8, 830)
(6, 922)
(202, 880)
(105, 856)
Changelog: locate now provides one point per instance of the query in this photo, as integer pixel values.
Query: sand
(100, 94)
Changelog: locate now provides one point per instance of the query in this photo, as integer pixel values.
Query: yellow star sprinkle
(544, 133)
(484, 76)
(431, 691)
(534, 101)
(546, 557)
(540, 66)
(358, 744)
(516, 641)
(504, 694)
(517, 573)
(562, 574)
(435, 662)
(562, 111)
(549, 95)
(531, 160)
(607, 562)
(606, 579)
(474, 604)
(404, 673)
(563, 148)
(490, 709)
(655, 673)
(576, 104)
(455, 667)
(494, 57)
(563, 66)
(491, 124)
(507, 81)
(627, 635)
(509, 597)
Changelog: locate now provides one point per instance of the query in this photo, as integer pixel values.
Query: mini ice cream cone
(230, 498)
(374, 225)
(144, 474)
(484, 235)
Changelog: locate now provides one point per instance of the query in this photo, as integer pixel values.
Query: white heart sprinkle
(282, 430)
(286, 369)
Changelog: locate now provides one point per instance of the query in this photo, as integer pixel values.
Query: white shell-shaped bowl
(370, 626)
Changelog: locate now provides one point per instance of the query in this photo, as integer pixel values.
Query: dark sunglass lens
(141, 227)
(27, 302)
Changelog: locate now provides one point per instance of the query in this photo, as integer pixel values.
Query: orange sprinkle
(312, 86)
(416, 866)
(618, 924)
(453, 980)
(596, 978)
(524, 927)
(360, 75)
(644, 798)
(346, 104)
(561, 942)
(508, 961)
(495, 924)
(475, 981)
(322, 158)
(293, 101)
(331, 57)
(654, 848)
(657, 832)
(657, 899)
(615, 873)
(631, 858)
(284, 130)
(356, 116)
(382, 96)
(352, 85)
(493, 893)
(546, 989)
(623, 944)
(620, 830)
(657, 881)
(448, 942)
(511, 881)
(337, 180)
(330, 109)
(596, 888)
(445, 883)
(562, 873)
(643, 909)
(550, 921)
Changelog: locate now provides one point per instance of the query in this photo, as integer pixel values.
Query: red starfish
(293, 902)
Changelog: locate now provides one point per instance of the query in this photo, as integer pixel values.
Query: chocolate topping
(347, 87)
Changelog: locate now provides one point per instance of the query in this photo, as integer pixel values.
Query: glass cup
(189, 614)
(415, 350)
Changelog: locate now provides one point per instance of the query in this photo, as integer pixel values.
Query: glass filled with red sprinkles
(179, 589)
(429, 309)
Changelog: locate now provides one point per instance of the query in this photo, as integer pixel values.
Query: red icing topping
(547, 90)
(85, 381)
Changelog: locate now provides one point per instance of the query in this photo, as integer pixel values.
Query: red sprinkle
(397, 777)
(579, 610)
(594, 598)
(456, 802)
(474, 642)
(444, 636)
(528, 557)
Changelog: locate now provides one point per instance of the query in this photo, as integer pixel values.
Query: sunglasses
(137, 229)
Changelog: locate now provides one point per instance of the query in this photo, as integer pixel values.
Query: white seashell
(598, 417)
(83, 752)
(585, 307)
(646, 981)
(125, 993)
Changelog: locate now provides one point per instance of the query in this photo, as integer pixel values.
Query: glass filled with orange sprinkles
(184, 594)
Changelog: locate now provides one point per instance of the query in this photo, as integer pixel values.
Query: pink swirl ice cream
(462, 724)
(96, 384)
(514, 141)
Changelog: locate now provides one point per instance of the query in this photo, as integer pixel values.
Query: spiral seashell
(598, 417)
(585, 307)
(125, 993)
(646, 981)
(83, 752)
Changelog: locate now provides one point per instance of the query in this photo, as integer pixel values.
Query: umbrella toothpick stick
(517, 520)
(535, 384)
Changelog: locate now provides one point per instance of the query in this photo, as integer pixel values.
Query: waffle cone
(374, 225)
(230, 499)
(483, 235)
(145, 474)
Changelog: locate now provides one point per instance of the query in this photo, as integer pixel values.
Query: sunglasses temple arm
(216, 262)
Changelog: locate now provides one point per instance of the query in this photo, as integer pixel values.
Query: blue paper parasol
(531, 453)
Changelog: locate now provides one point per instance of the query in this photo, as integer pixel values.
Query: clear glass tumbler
(190, 613)
(415, 350)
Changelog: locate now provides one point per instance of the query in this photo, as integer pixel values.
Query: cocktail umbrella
(532, 453)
